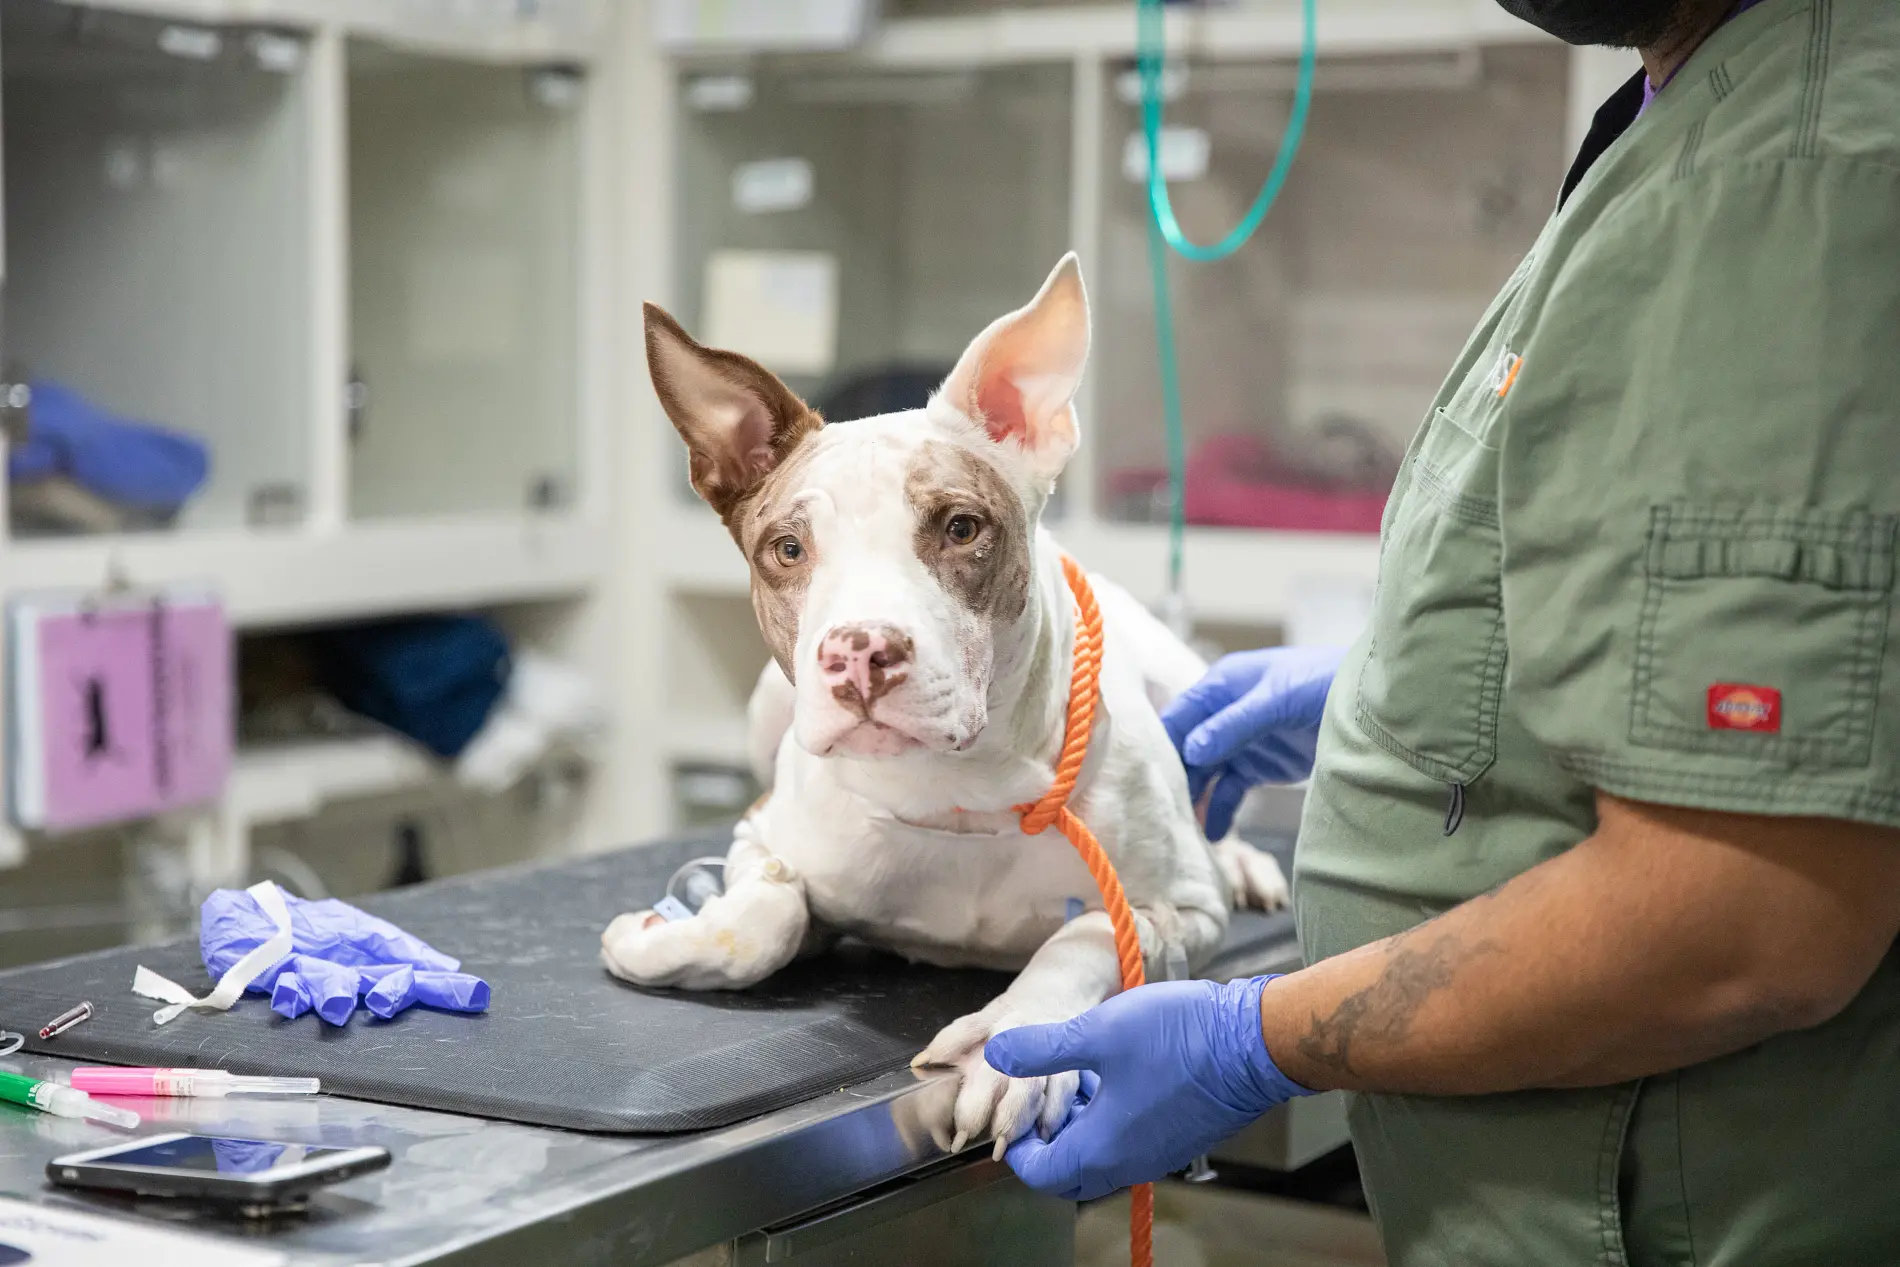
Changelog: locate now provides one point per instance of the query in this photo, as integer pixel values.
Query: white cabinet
(896, 214)
(355, 249)
(363, 250)
(159, 219)
(465, 257)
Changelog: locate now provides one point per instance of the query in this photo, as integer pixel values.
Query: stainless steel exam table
(842, 1175)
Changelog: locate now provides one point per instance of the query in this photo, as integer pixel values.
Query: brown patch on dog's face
(764, 523)
(972, 531)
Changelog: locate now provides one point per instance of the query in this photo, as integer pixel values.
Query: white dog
(921, 630)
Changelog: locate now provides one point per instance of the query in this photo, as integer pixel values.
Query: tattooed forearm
(1418, 965)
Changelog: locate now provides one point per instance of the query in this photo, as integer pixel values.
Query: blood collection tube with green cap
(50, 1097)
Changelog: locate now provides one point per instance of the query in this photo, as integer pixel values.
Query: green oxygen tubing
(1164, 234)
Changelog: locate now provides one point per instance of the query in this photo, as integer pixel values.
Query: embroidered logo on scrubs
(1504, 373)
(1737, 706)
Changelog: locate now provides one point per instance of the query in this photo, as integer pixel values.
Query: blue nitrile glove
(1253, 719)
(331, 990)
(1179, 1067)
(338, 954)
(404, 985)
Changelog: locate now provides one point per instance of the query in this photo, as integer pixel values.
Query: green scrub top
(1644, 542)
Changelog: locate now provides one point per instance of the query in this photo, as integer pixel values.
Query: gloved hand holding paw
(1170, 1070)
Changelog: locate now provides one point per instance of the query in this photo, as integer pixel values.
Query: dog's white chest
(939, 896)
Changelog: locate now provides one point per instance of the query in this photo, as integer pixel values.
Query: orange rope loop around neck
(1085, 692)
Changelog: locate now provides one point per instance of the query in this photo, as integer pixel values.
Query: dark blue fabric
(886, 390)
(433, 678)
(132, 463)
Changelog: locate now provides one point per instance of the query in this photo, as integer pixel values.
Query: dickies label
(1739, 706)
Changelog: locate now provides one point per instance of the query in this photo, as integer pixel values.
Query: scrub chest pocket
(1762, 632)
(1434, 674)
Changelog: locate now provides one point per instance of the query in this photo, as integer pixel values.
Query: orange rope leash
(1085, 690)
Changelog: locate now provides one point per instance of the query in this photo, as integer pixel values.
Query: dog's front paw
(1253, 876)
(636, 947)
(980, 1103)
(693, 954)
(739, 938)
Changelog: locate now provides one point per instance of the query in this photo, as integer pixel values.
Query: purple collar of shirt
(1650, 89)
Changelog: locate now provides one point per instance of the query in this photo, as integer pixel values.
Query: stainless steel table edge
(693, 1192)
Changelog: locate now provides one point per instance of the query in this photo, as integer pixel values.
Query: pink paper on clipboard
(96, 720)
(124, 708)
(197, 712)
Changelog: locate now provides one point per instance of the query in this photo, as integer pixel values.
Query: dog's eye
(788, 550)
(962, 529)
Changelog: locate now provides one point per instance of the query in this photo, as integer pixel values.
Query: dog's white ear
(738, 420)
(1019, 377)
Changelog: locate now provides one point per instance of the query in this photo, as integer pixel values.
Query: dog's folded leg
(1253, 875)
(738, 939)
(1071, 972)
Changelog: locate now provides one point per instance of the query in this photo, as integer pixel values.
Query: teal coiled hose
(1164, 234)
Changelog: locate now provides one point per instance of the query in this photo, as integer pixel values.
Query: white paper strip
(149, 984)
(772, 184)
(778, 307)
(1184, 154)
(75, 1238)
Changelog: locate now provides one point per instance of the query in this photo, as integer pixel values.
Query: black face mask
(1619, 23)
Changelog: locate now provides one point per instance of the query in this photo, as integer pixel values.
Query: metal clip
(16, 401)
(355, 403)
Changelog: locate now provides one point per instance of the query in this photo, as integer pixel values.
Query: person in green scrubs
(1599, 874)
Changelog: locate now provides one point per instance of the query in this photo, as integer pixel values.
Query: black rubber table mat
(563, 1043)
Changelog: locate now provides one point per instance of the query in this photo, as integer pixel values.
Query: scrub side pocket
(1762, 632)
(1434, 674)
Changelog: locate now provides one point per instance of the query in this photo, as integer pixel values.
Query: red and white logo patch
(1739, 706)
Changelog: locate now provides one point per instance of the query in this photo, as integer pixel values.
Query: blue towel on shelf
(133, 464)
(433, 678)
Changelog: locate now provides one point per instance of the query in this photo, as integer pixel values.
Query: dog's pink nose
(862, 663)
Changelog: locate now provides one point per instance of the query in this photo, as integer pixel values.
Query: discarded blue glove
(1253, 719)
(338, 955)
(1177, 1068)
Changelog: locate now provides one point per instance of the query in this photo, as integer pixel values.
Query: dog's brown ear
(1019, 377)
(738, 420)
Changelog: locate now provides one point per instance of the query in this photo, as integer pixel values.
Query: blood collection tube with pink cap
(205, 1083)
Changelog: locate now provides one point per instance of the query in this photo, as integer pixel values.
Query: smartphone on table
(253, 1174)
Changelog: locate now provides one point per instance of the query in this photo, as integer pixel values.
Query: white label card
(778, 307)
(72, 1239)
(1184, 154)
(772, 184)
(750, 25)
